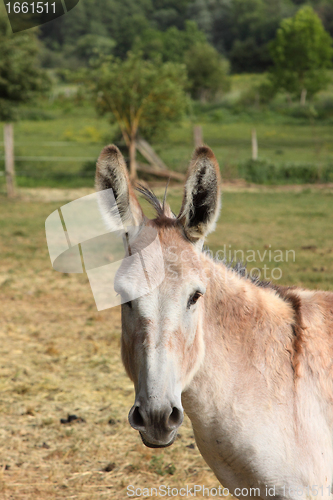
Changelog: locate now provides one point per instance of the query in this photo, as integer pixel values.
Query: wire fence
(270, 160)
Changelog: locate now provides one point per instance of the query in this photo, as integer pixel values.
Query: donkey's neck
(247, 334)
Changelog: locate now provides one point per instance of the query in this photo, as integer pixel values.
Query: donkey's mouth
(154, 445)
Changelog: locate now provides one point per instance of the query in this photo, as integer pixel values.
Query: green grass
(77, 134)
(250, 221)
(231, 144)
(294, 226)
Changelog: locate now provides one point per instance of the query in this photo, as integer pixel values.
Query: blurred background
(251, 78)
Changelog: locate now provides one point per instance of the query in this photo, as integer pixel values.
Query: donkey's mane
(241, 270)
(161, 208)
(152, 199)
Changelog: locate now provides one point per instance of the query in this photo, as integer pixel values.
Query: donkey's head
(162, 339)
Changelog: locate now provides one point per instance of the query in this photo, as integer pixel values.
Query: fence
(295, 158)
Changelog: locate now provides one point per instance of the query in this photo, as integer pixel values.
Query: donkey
(251, 363)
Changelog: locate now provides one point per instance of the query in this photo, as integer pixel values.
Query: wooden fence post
(254, 145)
(197, 136)
(9, 159)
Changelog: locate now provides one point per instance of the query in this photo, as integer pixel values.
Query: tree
(206, 68)
(171, 44)
(207, 71)
(302, 52)
(141, 96)
(241, 29)
(21, 80)
(89, 47)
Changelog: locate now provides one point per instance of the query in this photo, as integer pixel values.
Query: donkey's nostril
(135, 418)
(175, 418)
(159, 419)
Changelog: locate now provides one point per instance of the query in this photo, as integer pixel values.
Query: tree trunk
(203, 96)
(132, 155)
(254, 145)
(303, 97)
(9, 159)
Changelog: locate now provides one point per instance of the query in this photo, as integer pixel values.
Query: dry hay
(60, 356)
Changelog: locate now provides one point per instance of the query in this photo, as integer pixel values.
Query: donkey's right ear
(202, 196)
(111, 172)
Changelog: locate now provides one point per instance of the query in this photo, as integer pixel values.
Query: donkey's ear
(111, 172)
(201, 202)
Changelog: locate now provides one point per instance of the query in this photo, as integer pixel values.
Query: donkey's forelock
(162, 209)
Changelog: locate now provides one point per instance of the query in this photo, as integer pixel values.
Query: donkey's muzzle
(157, 427)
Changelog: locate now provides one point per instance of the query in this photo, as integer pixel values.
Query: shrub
(267, 172)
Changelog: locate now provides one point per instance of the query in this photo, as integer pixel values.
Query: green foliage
(141, 96)
(304, 112)
(35, 114)
(91, 47)
(302, 53)
(254, 27)
(122, 21)
(241, 29)
(207, 72)
(21, 80)
(268, 172)
(324, 108)
(206, 69)
(170, 45)
(238, 29)
(257, 93)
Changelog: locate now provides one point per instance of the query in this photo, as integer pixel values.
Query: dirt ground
(60, 357)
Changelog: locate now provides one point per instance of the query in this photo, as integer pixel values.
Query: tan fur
(253, 365)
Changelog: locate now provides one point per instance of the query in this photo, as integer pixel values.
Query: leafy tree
(206, 68)
(140, 96)
(21, 80)
(207, 71)
(90, 47)
(122, 21)
(171, 44)
(238, 29)
(167, 13)
(302, 52)
(241, 29)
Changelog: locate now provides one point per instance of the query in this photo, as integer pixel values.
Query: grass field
(81, 135)
(56, 143)
(60, 356)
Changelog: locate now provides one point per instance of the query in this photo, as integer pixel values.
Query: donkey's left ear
(111, 172)
(202, 195)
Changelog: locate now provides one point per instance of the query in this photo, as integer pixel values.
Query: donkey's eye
(194, 299)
